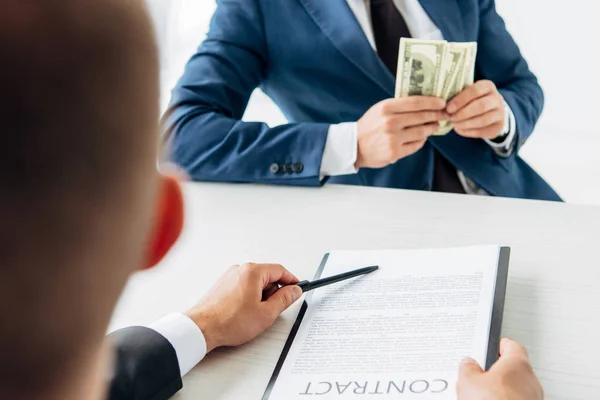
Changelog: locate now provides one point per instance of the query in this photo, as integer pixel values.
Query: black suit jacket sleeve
(146, 366)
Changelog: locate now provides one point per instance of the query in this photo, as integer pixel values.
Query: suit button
(274, 168)
(298, 167)
(285, 168)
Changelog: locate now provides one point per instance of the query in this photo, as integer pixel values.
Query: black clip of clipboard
(495, 324)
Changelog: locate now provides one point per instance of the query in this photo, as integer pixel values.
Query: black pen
(306, 285)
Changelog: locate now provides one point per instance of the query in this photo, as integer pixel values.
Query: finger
(407, 120)
(478, 107)
(469, 368)
(409, 149)
(481, 121)
(467, 377)
(269, 273)
(282, 299)
(479, 89)
(488, 132)
(512, 349)
(269, 290)
(417, 133)
(411, 104)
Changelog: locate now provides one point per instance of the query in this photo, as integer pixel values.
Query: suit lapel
(446, 14)
(337, 21)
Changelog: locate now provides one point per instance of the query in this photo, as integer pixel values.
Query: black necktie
(388, 27)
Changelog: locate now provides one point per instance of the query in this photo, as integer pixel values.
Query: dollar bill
(419, 67)
(461, 73)
(435, 68)
(454, 64)
(467, 73)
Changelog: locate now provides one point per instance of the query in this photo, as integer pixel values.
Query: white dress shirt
(339, 158)
(185, 337)
(341, 146)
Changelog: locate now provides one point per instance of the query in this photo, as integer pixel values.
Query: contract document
(399, 332)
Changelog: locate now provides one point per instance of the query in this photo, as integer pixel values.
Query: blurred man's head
(80, 199)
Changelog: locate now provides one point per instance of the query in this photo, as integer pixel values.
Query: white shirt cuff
(185, 337)
(341, 149)
(510, 130)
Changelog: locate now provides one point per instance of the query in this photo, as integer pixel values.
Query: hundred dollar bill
(419, 67)
(435, 68)
(461, 58)
(466, 75)
(454, 63)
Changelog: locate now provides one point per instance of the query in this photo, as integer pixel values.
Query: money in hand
(435, 68)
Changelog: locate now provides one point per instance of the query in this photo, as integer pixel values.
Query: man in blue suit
(330, 65)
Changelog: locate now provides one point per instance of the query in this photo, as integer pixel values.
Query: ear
(168, 220)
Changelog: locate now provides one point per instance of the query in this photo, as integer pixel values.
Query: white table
(553, 295)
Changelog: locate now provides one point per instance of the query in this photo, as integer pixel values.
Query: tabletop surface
(553, 294)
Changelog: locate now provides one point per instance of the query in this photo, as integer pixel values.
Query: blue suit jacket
(313, 59)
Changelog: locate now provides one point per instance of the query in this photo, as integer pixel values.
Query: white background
(558, 39)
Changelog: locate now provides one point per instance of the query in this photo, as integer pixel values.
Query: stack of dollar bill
(435, 68)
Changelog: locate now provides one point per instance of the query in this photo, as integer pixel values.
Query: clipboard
(495, 323)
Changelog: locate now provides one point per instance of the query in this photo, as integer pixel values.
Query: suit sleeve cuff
(506, 145)
(185, 337)
(341, 150)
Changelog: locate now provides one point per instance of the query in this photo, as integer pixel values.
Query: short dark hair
(78, 123)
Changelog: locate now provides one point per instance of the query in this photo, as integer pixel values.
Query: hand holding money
(447, 71)
(396, 128)
(478, 111)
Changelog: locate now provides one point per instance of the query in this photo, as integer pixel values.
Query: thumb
(469, 368)
(283, 298)
(467, 377)
(512, 349)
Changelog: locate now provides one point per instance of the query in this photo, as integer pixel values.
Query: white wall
(558, 38)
